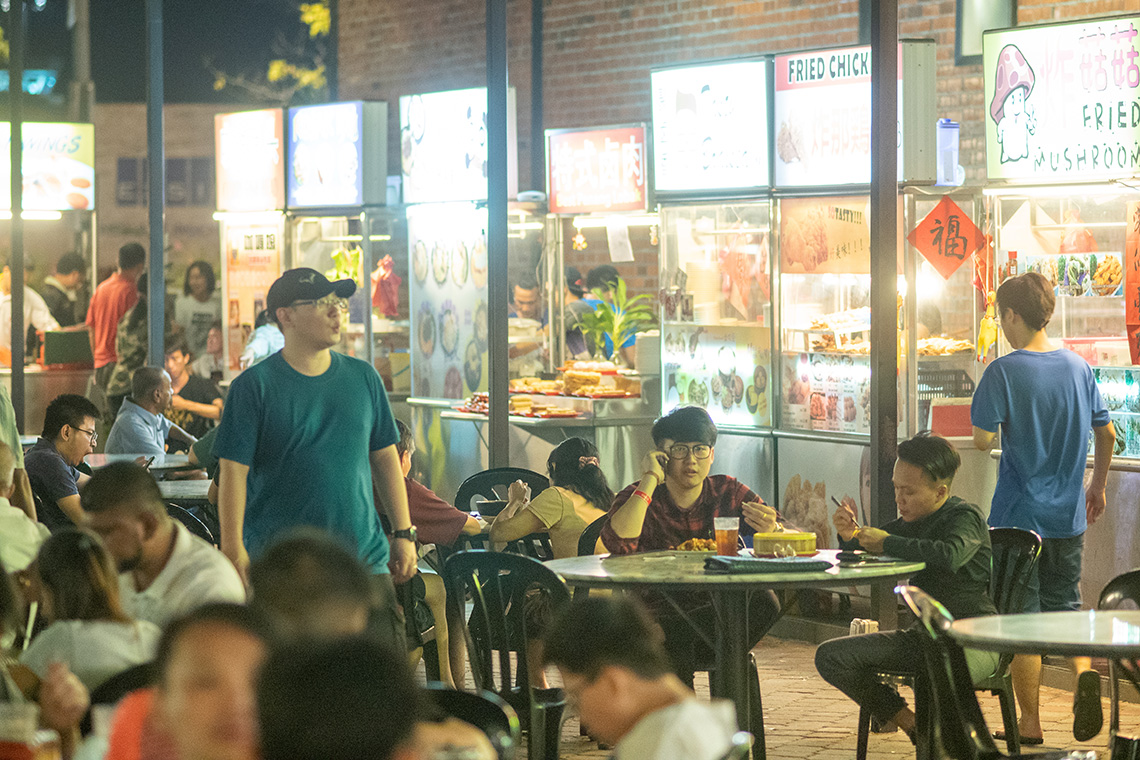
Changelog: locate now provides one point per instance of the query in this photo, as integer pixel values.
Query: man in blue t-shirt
(305, 436)
(1044, 400)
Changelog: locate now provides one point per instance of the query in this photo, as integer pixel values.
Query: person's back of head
(310, 586)
(685, 423)
(595, 632)
(144, 382)
(69, 263)
(1029, 296)
(933, 454)
(132, 256)
(125, 486)
(602, 278)
(352, 699)
(574, 464)
(67, 409)
(79, 577)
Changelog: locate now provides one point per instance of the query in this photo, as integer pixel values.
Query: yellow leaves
(280, 70)
(219, 82)
(318, 18)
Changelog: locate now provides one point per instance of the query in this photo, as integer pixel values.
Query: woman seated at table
(79, 593)
(578, 495)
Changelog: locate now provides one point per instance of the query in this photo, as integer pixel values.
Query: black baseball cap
(304, 284)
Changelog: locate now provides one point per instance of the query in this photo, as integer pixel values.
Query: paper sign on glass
(946, 237)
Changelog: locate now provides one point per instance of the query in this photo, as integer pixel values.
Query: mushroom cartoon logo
(1013, 84)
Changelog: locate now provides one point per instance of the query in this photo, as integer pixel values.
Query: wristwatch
(407, 533)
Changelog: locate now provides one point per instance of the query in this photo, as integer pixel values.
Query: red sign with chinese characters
(1132, 278)
(947, 237)
(597, 170)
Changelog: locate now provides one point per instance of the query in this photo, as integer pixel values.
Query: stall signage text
(825, 235)
(326, 155)
(59, 166)
(597, 170)
(1063, 101)
(710, 127)
(253, 262)
(250, 163)
(947, 237)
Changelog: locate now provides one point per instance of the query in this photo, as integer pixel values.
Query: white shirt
(689, 730)
(20, 537)
(36, 314)
(94, 650)
(195, 574)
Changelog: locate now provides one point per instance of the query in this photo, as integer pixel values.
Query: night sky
(237, 34)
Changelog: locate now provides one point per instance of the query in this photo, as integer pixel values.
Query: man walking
(114, 296)
(305, 437)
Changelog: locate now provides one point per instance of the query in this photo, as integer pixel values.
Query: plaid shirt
(666, 526)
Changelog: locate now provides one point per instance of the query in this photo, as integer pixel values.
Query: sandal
(1088, 716)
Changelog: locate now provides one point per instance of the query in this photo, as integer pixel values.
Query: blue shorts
(1055, 584)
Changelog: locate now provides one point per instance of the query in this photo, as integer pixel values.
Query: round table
(161, 462)
(1114, 634)
(684, 571)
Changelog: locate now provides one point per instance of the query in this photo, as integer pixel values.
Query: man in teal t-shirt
(304, 436)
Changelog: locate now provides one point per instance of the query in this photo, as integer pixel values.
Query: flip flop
(1029, 741)
(1087, 714)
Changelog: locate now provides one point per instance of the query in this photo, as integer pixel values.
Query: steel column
(156, 201)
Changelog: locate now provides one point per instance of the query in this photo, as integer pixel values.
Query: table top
(678, 569)
(192, 490)
(1086, 633)
(163, 462)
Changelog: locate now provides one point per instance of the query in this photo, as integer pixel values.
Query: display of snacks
(519, 406)
(943, 346)
(783, 543)
(535, 385)
(573, 380)
(851, 320)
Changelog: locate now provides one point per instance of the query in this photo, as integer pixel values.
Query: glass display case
(716, 300)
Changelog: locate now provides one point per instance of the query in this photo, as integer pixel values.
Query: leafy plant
(346, 264)
(620, 321)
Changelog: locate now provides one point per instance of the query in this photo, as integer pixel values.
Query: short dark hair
(177, 344)
(131, 255)
(122, 484)
(933, 454)
(603, 278)
(352, 699)
(525, 281)
(406, 441)
(595, 632)
(67, 409)
(263, 318)
(232, 615)
(685, 423)
(1029, 296)
(206, 271)
(145, 381)
(70, 262)
(80, 575)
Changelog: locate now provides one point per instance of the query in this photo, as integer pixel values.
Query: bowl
(491, 507)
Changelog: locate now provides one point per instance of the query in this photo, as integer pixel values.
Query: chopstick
(841, 506)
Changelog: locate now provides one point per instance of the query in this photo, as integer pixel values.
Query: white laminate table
(162, 462)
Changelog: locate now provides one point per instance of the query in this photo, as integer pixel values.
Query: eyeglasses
(682, 451)
(91, 433)
(327, 302)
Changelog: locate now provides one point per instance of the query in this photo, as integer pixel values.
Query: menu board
(721, 369)
(250, 164)
(597, 170)
(822, 116)
(1063, 101)
(337, 155)
(710, 127)
(59, 166)
(443, 146)
(825, 235)
(252, 262)
(448, 243)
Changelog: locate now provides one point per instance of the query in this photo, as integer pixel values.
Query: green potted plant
(620, 321)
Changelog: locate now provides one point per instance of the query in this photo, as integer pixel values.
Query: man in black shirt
(197, 404)
(941, 530)
(61, 291)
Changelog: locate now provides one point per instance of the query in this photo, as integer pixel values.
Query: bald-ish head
(7, 469)
(150, 389)
(122, 503)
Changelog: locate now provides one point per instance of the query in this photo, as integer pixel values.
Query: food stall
(711, 177)
(59, 211)
(1062, 159)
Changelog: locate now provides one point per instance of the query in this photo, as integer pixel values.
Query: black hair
(525, 281)
(70, 262)
(688, 424)
(145, 381)
(602, 278)
(238, 616)
(121, 484)
(588, 481)
(138, 311)
(131, 255)
(80, 575)
(176, 344)
(67, 409)
(206, 271)
(574, 282)
(932, 453)
(352, 699)
(1029, 296)
(406, 441)
(263, 318)
(595, 632)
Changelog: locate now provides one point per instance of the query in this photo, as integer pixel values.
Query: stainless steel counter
(43, 385)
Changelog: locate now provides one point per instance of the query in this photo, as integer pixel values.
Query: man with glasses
(68, 436)
(676, 500)
(306, 437)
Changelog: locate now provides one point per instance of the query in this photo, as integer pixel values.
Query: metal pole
(82, 88)
(498, 424)
(156, 202)
(884, 256)
(367, 264)
(16, 19)
(537, 134)
(333, 50)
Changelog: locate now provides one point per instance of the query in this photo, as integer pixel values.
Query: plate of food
(448, 328)
(472, 365)
(420, 261)
(459, 264)
(440, 263)
(479, 263)
(697, 545)
(698, 393)
(481, 324)
(425, 330)
(1107, 276)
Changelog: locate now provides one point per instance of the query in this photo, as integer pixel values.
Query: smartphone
(149, 462)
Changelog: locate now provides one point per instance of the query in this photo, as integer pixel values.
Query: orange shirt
(112, 299)
(135, 733)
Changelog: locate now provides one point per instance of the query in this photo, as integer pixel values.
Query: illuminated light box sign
(822, 116)
(337, 155)
(597, 170)
(249, 150)
(710, 127)
(443, 146)
(59, 166)
(36, 81)
(1063, 101)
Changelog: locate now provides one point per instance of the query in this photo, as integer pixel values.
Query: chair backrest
(741, 743)
(498, 584)
(955, 711)
(484, 710)
(1015, 553)
(588, 541)
(1120, 590)
(118, 686)
(481, 484)
(192, 523)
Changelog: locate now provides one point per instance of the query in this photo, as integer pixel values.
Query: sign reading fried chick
(825, 235)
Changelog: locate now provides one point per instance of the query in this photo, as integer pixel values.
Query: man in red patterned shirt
(676, 500)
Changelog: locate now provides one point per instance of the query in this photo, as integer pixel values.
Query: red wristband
(643, 495)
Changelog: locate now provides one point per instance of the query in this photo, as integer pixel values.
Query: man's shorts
(1055, 584)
